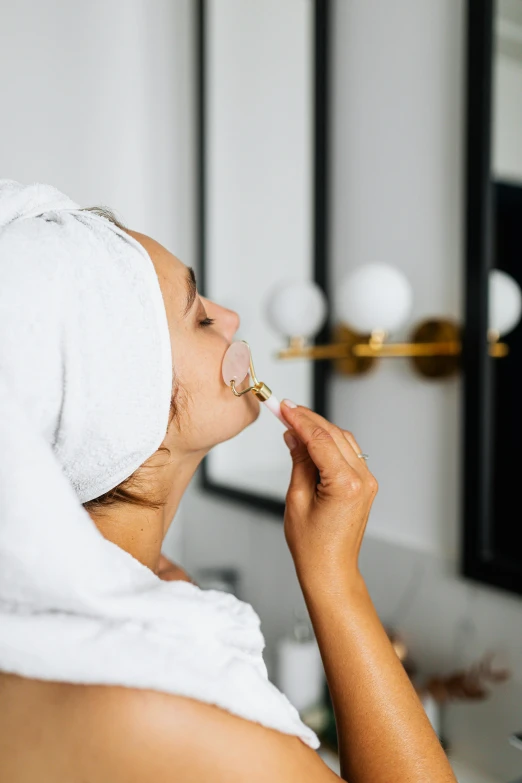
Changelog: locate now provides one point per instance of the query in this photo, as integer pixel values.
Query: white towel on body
(85, 387)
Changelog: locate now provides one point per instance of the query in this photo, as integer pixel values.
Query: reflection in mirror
(507, 93)
(506, 175)
(258, 211)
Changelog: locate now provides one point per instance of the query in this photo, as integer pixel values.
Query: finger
(355, 446)
(304, 471)
(351, 440)
(321, 445)
(348, 448)
(338, 434)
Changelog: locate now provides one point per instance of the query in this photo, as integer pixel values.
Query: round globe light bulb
(374, 297)
(505, 303)
(296, 308)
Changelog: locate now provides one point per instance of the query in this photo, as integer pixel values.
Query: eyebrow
(191, 290)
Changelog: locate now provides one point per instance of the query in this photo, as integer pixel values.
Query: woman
(59, 731)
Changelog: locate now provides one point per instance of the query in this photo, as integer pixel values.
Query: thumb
(304, 471)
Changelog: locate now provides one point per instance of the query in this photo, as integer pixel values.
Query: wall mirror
(262, 107)
(492, 550)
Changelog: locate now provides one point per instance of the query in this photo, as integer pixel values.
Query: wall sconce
(373, 302)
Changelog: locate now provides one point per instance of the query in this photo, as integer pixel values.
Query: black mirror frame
(479, 561)
(321, 370)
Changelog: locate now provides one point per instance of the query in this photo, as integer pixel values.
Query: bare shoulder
(173, 738)
(60, 731)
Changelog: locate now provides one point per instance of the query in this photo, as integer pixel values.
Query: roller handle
(274, 406)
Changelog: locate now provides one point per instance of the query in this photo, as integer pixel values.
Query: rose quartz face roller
(237, 363)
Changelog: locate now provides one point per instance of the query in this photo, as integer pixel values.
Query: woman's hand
(324, 522)
(170, 572)
(383, 731)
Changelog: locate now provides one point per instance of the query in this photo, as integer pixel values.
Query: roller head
(236, 363)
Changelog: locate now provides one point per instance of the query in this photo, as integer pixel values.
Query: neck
(140, 531)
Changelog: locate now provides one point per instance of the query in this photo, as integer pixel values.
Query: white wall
(97, 99)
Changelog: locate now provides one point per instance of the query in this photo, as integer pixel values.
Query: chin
(251, 411)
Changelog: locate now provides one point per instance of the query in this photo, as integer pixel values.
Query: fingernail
(290, 440)
(289, 403)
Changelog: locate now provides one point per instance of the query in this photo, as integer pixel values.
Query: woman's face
(200, 333)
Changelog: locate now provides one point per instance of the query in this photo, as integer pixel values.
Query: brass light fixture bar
(434, 349)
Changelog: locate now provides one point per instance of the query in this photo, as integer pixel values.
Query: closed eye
(207, 321)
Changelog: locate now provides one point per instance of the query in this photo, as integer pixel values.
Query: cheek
(197, 364)
(210, 412)
(194, 359)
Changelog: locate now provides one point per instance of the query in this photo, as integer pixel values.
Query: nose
(227, 320)
(231, 322)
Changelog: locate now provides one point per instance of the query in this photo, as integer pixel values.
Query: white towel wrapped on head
(85, 389)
